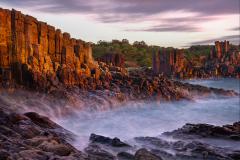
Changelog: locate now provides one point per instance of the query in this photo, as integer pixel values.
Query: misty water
(151, 119)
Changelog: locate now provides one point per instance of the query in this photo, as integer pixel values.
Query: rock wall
(168, 62)
(114, 59)
(35, 53)
(221, 48)
(222, 61)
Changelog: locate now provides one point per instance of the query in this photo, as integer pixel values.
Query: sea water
(152, 119)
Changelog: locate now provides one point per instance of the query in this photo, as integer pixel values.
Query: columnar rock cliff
(221, 48)
(168, 61)
(35, 53)
(114, 59)
(222, 61)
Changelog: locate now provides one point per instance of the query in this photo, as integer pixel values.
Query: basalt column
(51, 43)
(156, 63)
(35, 53)
(5, 45)
(58, 46)
(31, 38)
(18, 44)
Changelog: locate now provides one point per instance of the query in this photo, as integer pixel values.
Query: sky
(176, 23)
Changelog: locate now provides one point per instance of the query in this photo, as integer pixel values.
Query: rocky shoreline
(31, 136)
(136, 86)
(56, 75)
(40, 57)
(28, 135)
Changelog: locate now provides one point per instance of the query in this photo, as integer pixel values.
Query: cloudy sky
(175, 23)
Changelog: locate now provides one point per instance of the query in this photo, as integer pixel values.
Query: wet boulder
(32, 136)
(115, 142)
(144, 154)
(125, 156)
(56, 148)
(41, 120)
(96, 153)
(206, 130)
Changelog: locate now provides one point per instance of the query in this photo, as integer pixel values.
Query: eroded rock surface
(208, 131)
(222, 61)
(35, 55)
(32, 136)
(196, 141)
(115, 142)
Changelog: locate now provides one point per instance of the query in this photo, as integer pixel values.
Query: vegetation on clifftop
(139, 54)
(198, 50)
(136, 54)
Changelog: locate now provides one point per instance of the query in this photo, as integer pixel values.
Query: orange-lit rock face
(223, 60)
(218, 49)
(31, 37)
(179, 62)
(5, 38)
(221, 48)
(41, 50)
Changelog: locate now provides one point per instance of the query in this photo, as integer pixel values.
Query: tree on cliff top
(136, 54)
(139, 54)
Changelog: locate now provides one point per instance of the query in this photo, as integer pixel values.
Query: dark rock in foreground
(32, 136)
(115, 142)
(184, 150)
(207, 131)
(143, 154)
(195, 142)
(97, 153)
(125, 156)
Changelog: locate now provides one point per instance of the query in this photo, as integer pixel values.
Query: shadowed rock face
(210, 131)
(32, 136)
(192, 141)
(34, 53)
(115, 142)
(143, 154)
(168, 61)
(113, 59)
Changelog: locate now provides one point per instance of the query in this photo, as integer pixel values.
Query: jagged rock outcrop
(207, 131)
(31, 136)
(222, 61)
(36, 54)
(221, 48)
(115, 142)
(114, 59)
(168, 61)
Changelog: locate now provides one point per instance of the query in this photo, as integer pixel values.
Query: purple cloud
(170, 28)
(129, 7)
(113, 11)
(235, 39)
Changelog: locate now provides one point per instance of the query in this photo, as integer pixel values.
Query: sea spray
(58, 106)
(84, 113)
(151, 119)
